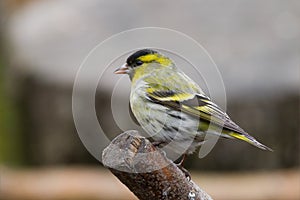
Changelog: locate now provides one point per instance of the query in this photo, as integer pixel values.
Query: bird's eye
(139, 62)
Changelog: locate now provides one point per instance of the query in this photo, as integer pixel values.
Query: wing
(195, 105)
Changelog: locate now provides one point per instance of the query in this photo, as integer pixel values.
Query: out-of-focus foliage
(10, 139)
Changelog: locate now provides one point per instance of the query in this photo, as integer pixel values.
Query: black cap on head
(132, 58)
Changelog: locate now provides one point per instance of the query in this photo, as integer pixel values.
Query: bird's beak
(122, 70)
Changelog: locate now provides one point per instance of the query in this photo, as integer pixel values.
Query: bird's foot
(185, 171)
(180, 166)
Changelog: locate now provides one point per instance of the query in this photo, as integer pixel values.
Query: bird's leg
(180, 166)
(182, 160)
(157, 143)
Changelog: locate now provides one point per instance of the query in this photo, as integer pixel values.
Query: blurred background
(255, 44)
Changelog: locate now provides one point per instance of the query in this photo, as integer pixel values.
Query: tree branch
(146, 171)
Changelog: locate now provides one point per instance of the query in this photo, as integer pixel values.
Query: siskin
(172, 108)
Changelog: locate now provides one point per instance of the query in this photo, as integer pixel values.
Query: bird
(172, 108)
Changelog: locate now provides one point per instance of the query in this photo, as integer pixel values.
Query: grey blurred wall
(255, 45)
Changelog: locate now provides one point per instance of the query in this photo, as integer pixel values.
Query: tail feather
(251, 140)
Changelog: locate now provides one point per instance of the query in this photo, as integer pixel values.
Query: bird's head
(142, 63)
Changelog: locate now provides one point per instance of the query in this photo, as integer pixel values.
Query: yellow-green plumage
(171, 107)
